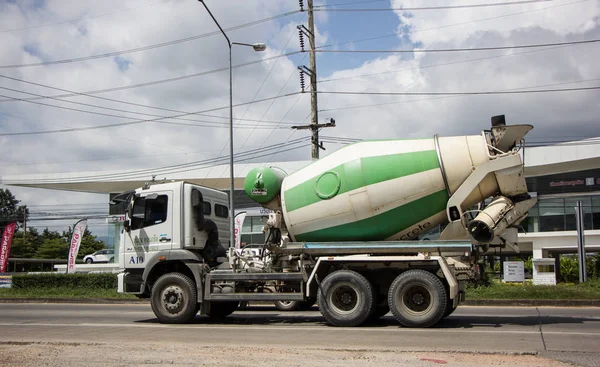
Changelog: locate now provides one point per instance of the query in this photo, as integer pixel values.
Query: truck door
(151, 228)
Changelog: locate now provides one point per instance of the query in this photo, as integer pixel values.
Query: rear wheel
(345, 298)
(220, 310)
(450, 308)
(417, 298)
(287, 305)
(174, 299)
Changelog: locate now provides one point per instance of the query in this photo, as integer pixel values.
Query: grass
(589, 290)
(62, 293)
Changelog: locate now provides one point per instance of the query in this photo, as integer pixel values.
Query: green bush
(88, 281)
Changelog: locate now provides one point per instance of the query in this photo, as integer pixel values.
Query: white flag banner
(239, 221)
(78, 232)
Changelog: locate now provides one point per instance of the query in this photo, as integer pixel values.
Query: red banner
(7, 236)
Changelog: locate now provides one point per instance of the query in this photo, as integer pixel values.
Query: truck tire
(417, 298)
(287, 305)
(174, 299)
(345, 298)
(295, 305)
(449, 308)
(219, 310)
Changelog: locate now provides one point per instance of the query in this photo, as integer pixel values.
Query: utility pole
(311, 71)
(313, 82)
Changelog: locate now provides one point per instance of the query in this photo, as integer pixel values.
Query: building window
(558, 214)
(221, 211)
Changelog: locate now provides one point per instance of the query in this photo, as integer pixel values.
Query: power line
(145, 48)
(214, 123)
(168, 80)
(72, 93)
(436, 65)
(350, 3)
(171, 169)
(446, 97)
(84, 18)
(159, 119)
(463, 49)
(466, 6)
(457, 93)
(395, 34)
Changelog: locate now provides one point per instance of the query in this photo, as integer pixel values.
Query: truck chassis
(353, 283)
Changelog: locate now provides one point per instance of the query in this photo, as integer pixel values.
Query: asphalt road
(566, 334)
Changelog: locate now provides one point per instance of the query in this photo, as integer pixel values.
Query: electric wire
(443, 7)
(159, 119)
(145, 48)
(213, 123)
(166, 169)
(395, 34)
(84, 18)
(416, 50)
(72, 94)
(456, 93)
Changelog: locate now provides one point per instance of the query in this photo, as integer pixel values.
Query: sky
(138, 60)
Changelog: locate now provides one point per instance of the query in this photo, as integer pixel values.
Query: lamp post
(257, 47)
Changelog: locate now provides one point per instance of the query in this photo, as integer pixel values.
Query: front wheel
(417, 298)
(174, 299)
(89, 261)
(345, 298)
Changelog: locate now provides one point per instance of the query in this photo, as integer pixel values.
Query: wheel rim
(415, 300)
(172, 298)
(343, 298)
(286, 303)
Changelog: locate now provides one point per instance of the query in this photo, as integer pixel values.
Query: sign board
(5, 281)
(514, 271)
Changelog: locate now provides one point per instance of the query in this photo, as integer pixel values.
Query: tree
(25, 246)
(10, 211)
(56, 248)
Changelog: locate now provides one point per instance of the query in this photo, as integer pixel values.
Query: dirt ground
(154, 354)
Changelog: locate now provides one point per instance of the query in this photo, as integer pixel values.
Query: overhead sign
(514, 271)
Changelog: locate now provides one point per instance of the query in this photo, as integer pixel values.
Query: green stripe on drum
(358, 173)
(384, 225)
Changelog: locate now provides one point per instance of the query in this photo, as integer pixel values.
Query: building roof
(543, 160)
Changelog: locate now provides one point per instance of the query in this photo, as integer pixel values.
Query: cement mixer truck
(343, 233)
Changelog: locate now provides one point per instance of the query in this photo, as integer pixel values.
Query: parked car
(102, 256)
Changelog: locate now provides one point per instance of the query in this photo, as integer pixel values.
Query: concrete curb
(534, 302)
(478, 302)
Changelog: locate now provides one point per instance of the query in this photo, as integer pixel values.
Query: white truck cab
(172, 219)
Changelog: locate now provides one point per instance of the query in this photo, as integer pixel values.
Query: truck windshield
(148, 212)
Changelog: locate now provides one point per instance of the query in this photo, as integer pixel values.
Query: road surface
(34, 334)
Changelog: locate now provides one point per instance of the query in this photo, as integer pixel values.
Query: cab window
(149, 212)
(221, 211)
(206, 208)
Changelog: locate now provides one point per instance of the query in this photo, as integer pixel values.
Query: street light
(257, 47)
